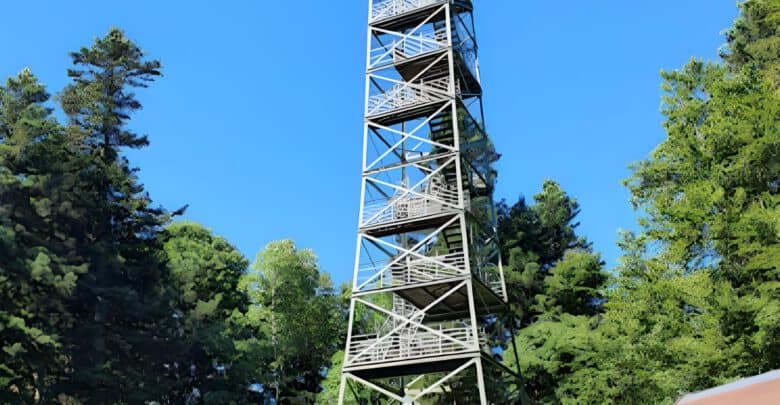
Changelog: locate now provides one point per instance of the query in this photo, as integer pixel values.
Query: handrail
(408, 46)
(409, 205)
(408, 270)
(390, 8)
(412, 342)
(403, 95)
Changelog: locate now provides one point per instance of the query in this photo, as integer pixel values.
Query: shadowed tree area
(103, 300)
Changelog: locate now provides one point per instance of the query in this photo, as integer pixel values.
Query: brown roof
(762, 389)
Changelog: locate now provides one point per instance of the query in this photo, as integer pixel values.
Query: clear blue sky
(257, 123)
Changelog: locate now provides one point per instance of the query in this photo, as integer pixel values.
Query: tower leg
(481, 383)
(342, 388)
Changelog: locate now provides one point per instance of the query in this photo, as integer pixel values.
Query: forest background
(106, 298)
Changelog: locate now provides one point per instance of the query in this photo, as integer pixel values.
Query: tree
(533, 239)
(555, 284)
(297, 314)
(332, 380)
(205, 271)
(710, 189)
(753, 40)
(100, 102)
(122, 332)
(695, 303)
(39, 202)
(660, 336)
(574, 285)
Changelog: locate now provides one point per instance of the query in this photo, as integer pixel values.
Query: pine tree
(122, 333)
(710, 189)
(555, 284)
(39, 205)
(533, 239)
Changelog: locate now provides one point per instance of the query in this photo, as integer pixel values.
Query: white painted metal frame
(411, 399)
(469, 342)
(384, 9)
(386, 98)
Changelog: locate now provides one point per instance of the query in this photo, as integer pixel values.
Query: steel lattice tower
(427, 320)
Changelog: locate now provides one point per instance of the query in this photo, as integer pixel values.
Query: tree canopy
(106, 301)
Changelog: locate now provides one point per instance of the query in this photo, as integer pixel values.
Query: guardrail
(402, 95)
(390, 8)
(409, 343)
(408, 46)
(409, 270)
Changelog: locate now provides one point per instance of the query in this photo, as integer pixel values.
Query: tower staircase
(426, 257)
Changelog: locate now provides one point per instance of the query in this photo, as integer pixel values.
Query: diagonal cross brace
(374, 387)
(408, 321)
(412, 31)
(410, 190)
(408, 135)
(409, 252)
(444, 379)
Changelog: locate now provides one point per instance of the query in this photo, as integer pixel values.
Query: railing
(492, 279)
(426, 200)
(470, 60)
(484, 253)
(390, 8)
(408, 47)
(403, 95)
(413, 342)
(410, 270)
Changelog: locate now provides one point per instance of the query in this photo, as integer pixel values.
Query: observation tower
(428, 320)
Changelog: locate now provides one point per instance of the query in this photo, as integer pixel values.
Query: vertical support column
(473, 313)
(366, 129)
(481, 383)
(349, 329)
(505, 296)
(454, 110)
(342, 387)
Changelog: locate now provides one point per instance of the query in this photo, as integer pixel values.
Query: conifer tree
(710, 189)
(39, 205)
(122, 332)
(533, 239)
(555, 284)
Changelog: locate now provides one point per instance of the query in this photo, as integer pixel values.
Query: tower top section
(389, 12)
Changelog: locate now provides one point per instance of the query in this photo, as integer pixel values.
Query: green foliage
(550, 349)
(121, 337)
(99, 101)
(296, 311)
(39, 203)
(695, 301)
(573, 285)
(533, 239)
(711, 188)
(658, 338)
(100, 303)
(205, 271)
(556, 286)
(755, 39)
(330, 385)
